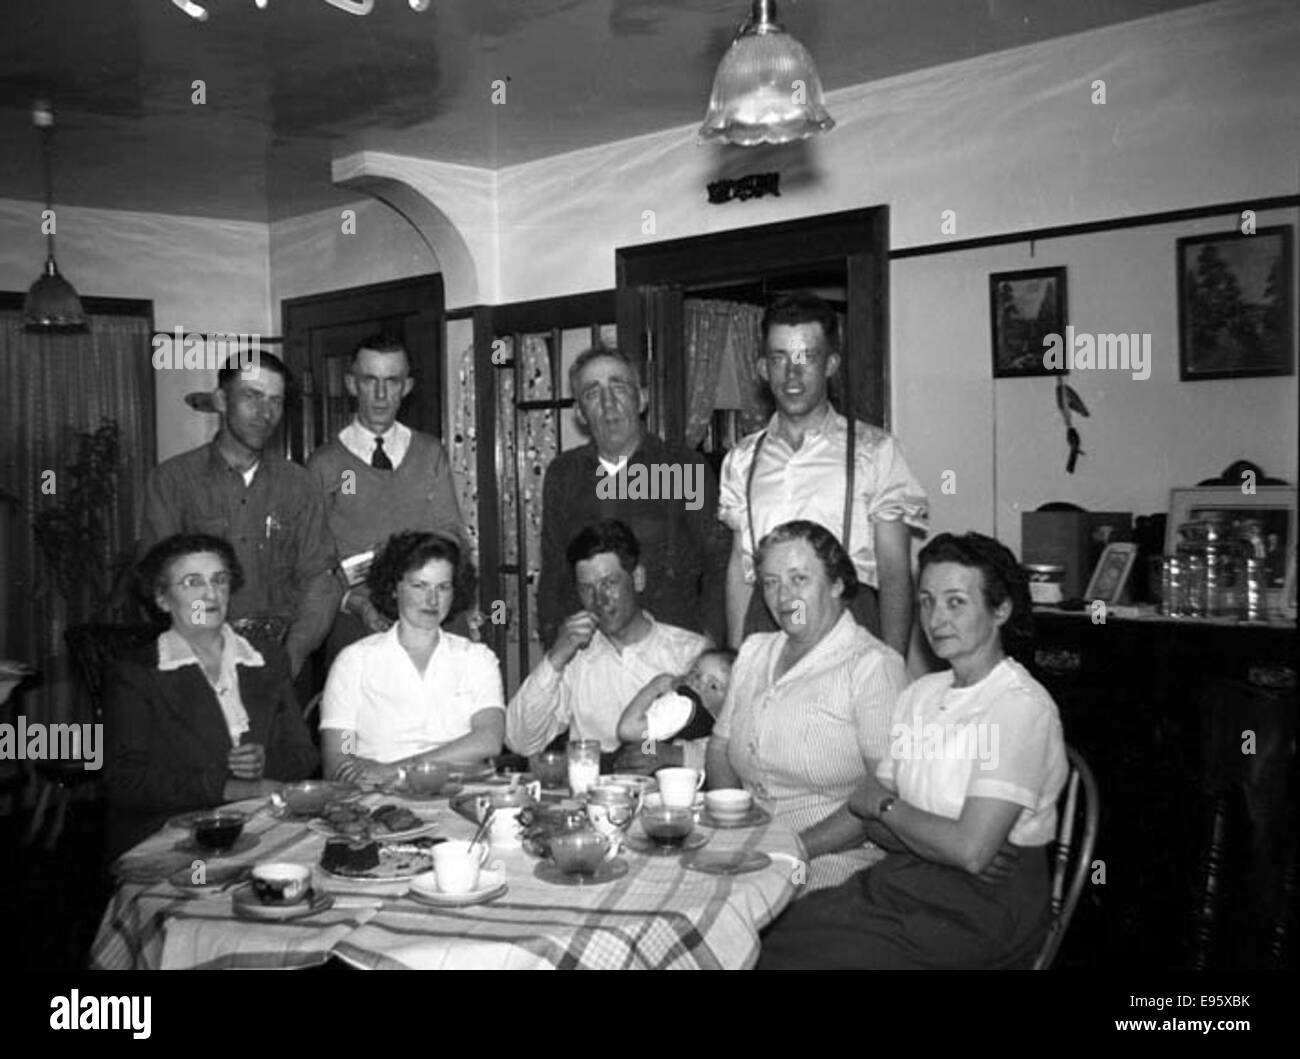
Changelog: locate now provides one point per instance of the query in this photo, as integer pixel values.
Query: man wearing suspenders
(813, 463)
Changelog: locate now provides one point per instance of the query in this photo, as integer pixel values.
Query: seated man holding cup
(603, 656)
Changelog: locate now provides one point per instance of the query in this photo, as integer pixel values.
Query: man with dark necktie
(380, 477)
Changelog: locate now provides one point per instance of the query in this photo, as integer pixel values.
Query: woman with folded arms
(965, 800)
(807, 713)
(199, 716)
(414, 692)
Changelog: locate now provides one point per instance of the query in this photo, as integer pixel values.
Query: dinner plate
(324, 827)
(643, 843)
(756, 815)
(739, 862)
(449, 790)
(424, 889)
(247, 905)
(394, 865)
(607, 872)
(242, 844)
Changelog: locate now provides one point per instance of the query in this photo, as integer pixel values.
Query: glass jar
(1046, 581)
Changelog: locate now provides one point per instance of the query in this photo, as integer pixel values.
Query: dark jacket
(684, 550)
(167, 741)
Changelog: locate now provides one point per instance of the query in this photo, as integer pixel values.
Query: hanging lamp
(52, 303)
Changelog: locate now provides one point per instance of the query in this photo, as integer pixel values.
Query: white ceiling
(290, 86)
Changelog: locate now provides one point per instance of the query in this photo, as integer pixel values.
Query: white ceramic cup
(279, 882)
(457, 866)
(677, 787)
(728, 804)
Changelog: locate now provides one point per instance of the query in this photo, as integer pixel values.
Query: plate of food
(362, 861)
(387, 823)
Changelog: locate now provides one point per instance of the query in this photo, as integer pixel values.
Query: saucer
(756, 815)
(424, 889)
(607, 872)
(242, 845)
(247, 905)
(717, 863)
(643, 843)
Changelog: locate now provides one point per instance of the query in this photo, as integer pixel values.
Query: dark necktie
(380, 458)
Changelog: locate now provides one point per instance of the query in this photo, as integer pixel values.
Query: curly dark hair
(153, 572)
(1002, 578)
(826, 546)
(608, 535)
(407, 552)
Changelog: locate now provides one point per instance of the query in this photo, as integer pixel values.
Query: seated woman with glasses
(414, 692)
(965, 800)
(199, 716)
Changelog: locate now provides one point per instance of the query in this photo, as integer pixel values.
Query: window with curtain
(54, 388)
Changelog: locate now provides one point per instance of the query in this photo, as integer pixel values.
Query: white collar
(175, 651)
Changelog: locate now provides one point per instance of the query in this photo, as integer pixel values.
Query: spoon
(482, 827)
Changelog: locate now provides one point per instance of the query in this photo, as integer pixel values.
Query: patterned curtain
(537, 447)
(54, 388)
(718, 331)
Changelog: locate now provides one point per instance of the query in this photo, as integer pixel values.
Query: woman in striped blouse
(807, 715)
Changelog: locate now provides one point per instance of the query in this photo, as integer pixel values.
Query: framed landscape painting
(1025, 308)
(1236, 305)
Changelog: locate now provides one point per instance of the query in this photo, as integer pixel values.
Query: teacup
(218, 830)
(457, 864)
(667, 825)
(677, 786)
(580, 852)
(426, 778)
(729, 804)
(281, 883)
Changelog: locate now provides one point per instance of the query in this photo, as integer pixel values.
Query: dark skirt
(909, 913)
(864, 607)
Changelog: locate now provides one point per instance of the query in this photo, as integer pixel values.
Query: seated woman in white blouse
(414, 692)
(807, 713)
(965, 801)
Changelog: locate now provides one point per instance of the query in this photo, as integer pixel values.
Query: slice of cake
(343, 857)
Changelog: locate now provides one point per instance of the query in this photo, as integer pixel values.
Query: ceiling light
(52, 303)
(192, 9)
(766, 89)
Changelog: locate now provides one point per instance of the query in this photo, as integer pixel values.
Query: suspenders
(850, 466)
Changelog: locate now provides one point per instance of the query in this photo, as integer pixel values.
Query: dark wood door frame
(417, 301)
(651, 279)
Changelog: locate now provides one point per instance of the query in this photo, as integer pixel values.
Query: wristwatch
(886, 804)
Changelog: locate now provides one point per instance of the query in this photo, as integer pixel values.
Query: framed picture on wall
(1025, 307)
(1236, 306)
(1110, 577)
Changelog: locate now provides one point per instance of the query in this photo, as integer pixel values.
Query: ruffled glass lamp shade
(52, 304)
(766, 89)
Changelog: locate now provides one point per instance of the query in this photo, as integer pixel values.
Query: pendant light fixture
(766, 89)
(52, 303)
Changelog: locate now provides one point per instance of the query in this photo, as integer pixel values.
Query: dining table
(660, 914)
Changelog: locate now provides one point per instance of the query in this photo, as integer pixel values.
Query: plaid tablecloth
(659, 915)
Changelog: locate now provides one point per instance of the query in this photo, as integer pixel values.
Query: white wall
(202, 275)
(311, 253)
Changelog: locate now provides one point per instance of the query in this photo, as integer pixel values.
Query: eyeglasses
(197, 582)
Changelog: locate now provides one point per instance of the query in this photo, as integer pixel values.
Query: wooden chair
(94, 648)
(1076, 836)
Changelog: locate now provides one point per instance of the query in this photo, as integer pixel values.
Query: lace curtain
(718, 333)
(54, 388)
(524, 457)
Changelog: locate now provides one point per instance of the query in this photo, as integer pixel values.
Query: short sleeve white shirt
(375, 691)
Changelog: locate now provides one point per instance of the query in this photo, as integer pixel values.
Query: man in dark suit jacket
(667, 494)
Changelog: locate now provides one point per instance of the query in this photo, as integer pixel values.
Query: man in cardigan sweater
(666, 493)
(379, 477)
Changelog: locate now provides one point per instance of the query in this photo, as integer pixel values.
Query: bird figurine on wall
(1068, 401)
